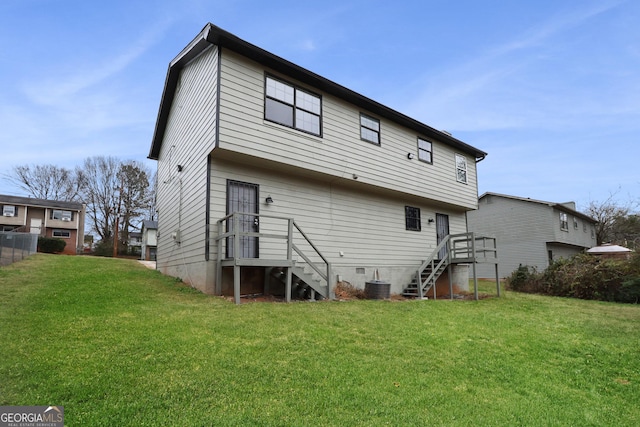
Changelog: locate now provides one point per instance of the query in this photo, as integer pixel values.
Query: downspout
(207, 208)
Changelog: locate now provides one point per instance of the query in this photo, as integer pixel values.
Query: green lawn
(119, 345)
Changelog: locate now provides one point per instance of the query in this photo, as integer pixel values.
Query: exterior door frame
(442, 231)
(245, 200)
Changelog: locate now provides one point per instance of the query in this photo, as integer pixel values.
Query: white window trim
(12, 210)
(461, 166)
(53, 233)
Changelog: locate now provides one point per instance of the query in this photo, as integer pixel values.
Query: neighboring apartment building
(50, 218)
(240, 129)
(530, 232)
(149, 240)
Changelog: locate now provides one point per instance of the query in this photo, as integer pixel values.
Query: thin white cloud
(59, 88)
(501, 88)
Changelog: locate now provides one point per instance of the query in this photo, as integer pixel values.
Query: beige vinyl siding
(369, 229)
(181, 198)
(339, 152)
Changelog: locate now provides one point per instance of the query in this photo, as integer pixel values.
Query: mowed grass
(119, 345)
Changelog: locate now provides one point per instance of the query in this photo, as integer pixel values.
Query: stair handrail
(434, 268)
(234, 233)
(326, 276)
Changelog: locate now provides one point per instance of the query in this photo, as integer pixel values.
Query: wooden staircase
(462, 248)
(428, 278)
(305, 284)
(299, 263)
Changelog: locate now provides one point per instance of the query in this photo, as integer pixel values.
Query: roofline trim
(212, 34)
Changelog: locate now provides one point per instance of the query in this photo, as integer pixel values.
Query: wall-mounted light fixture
(179, 168)
(268, 200)
(355, 176)
(430, 220)
(410, 156)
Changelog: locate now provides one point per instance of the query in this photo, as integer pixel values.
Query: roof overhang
(212, 34)
(559, 206)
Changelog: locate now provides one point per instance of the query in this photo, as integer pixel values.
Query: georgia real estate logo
(31, 416)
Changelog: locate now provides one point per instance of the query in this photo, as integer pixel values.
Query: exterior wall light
(410, 156)
(268, 200)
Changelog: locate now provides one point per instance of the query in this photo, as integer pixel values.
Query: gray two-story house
(267, 170)
(530, 232)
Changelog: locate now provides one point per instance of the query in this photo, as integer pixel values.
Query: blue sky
(550, 89)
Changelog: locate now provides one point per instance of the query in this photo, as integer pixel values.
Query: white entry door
(36, 226)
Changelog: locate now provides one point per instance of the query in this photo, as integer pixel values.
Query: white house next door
(242, 197)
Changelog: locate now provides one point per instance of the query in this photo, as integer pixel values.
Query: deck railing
(282, 244)
(459, 248)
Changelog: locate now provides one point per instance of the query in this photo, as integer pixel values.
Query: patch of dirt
(345, 291)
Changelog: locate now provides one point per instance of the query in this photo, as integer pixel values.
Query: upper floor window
(461, 169)
(412, 218)
(9, 210)
(370, 129)
(425, 150)
(564, 222)
(291, 106)
(575, 223)
(61, 215)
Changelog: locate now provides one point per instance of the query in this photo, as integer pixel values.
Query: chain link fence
(16, 246)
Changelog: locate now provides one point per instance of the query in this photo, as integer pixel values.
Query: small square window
(425, 150)
(412, 218)
(370, 129)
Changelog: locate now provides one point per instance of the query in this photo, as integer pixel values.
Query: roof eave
(212, 34)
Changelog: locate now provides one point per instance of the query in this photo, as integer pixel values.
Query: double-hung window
(9, 210)
(425, 150)
(412, 218)
(461, 169)
(291, 106)
(370, 129)
(62, 215)
(564, 222)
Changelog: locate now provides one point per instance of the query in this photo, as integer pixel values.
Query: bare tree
(134, 197)
(611, 219)
(101, 194)
(48, 181)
